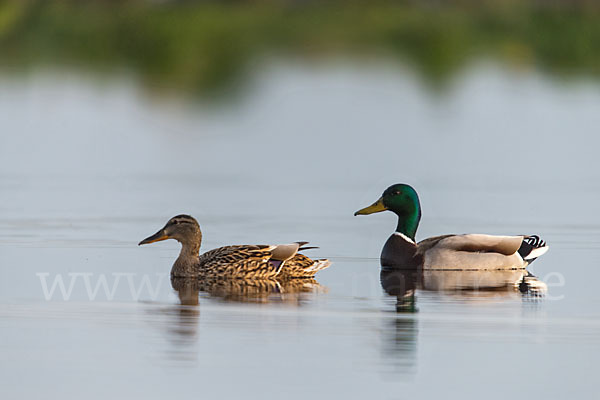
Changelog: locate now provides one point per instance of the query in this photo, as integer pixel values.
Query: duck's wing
(426, 244)
(240, 261)
(478, 243)
(477, 252)
(301, 266)
(260, 262)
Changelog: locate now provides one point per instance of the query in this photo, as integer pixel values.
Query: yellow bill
(373, 208)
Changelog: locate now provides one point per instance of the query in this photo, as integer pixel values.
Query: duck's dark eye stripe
(179, 221)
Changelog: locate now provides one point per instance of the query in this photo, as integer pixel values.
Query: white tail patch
(537, 252)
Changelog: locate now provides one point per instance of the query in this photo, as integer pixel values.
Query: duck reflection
(402, 284)
(400, 345)
(289, 292)
(187, 290)
(400, 334)
(179, 323)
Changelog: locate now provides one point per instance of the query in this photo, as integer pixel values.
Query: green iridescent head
(403, 201)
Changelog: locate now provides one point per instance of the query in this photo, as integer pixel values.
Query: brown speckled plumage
(247, 261)
(301, 266)
(238, 261)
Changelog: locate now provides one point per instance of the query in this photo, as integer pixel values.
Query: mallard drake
(240, 261)
(474, 252)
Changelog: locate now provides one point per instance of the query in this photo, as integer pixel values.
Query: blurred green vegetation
(202, 46)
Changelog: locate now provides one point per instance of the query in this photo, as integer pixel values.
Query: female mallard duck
(240, 261)
(473, 252)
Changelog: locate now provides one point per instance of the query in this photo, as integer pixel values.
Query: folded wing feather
(506, 245)
(471, 252)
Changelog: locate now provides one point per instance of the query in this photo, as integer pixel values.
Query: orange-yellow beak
(157, 237)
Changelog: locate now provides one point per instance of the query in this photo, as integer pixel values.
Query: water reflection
(180, 323)
(400, 344)
(448, 280)
(400, 334)
(183, 329)
(187, 290)
(403, 283)
(400, 283)
(291, 292)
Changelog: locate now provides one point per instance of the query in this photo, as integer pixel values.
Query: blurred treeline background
(197, 47)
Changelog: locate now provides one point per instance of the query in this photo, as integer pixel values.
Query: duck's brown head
(183, 228)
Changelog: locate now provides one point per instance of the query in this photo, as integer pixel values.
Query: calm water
(87, 169)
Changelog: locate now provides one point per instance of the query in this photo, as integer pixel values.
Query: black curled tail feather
(529, 247)
(535, 241)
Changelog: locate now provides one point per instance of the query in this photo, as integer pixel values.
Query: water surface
(87, 169)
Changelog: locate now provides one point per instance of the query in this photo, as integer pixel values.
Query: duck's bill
(157, 237)
(372, 209)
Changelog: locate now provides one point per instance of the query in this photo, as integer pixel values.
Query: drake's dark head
(403, 201)
(183, 228)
